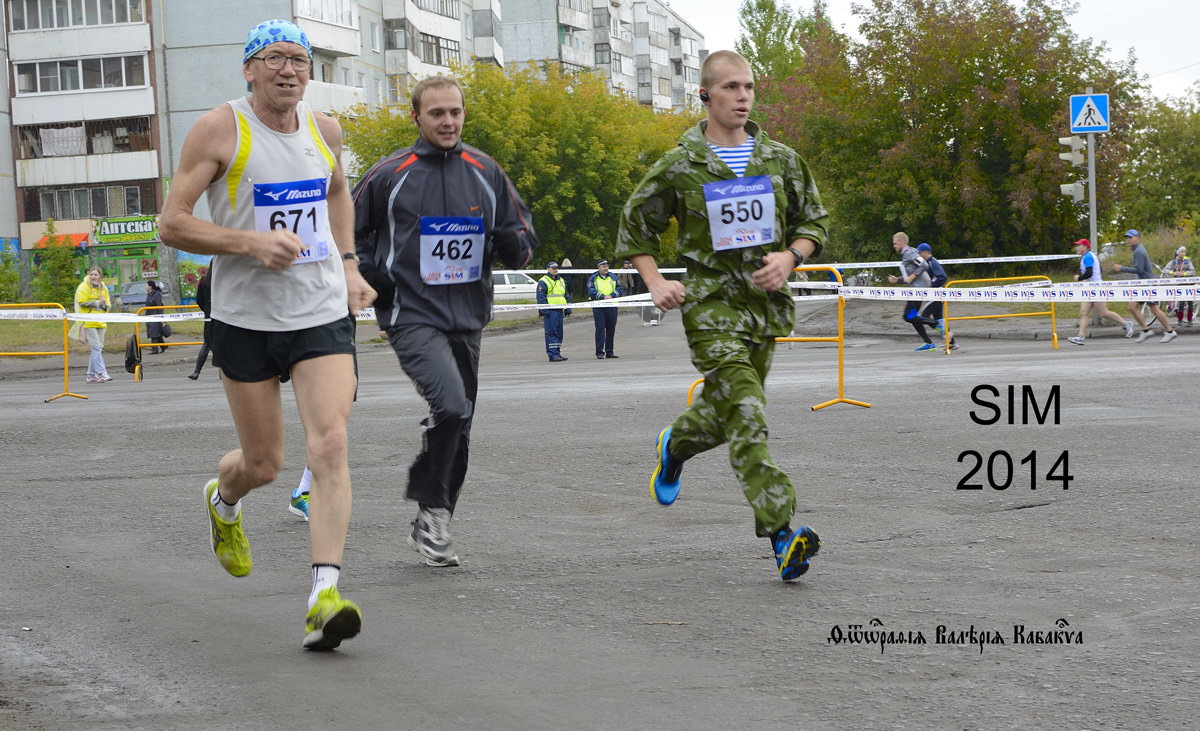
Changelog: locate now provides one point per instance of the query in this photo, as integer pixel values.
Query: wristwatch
(797, 256)
(351, 256)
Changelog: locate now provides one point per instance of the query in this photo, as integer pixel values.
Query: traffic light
(1075, 156)
(1075, 190)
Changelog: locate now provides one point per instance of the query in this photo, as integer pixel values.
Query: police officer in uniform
(552, 290)
(604, 286)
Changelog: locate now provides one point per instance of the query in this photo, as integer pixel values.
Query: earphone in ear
(704, 96)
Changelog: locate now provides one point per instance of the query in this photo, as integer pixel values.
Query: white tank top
(276, 180)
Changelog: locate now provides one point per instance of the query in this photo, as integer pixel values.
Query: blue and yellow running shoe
(793, 548)
(299, 504)
(664, 483)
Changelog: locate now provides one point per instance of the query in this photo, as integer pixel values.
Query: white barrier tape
(633, 300)
(31, 314)
(1047, 294)
(1163, 282)
(945, 262)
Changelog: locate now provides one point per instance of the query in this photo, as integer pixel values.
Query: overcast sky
(1161, 32)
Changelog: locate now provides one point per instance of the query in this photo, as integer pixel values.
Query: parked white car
(513, 286)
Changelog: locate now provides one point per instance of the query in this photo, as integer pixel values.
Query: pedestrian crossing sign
(1089, 113)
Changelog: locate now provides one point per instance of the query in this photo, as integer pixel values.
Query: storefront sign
(125, 230)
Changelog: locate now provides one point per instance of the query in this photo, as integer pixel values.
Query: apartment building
(643, 47)
(105, 91)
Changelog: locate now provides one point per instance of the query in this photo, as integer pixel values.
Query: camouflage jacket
(720, 293)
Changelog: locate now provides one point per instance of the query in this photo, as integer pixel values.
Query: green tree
(10, 278)
(58, 272)
(943, 121)
(773, 40)
(574, 150)
(1161, 184)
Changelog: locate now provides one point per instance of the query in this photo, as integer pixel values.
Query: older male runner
(285, 286)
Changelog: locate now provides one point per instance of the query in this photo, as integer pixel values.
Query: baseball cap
(924, 247)
(1181, 250)
(602, 262)
(552, 265)
(1131, 232)
(1083, 242)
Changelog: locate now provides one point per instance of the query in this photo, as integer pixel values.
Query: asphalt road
(583, 604)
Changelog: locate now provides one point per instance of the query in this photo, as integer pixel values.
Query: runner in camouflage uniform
(733, 299)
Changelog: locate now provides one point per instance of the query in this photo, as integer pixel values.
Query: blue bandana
(274, 31)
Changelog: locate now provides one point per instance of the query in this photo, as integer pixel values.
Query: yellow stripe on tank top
(234, 176)
(316, 135)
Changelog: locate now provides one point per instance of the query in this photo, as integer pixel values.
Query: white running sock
(225, 511)
(324, 576)
(305, 481)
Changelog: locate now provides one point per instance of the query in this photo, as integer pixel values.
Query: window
(99, 203)
(603, 53)
(65, 209)
(82, 199)
(50, 14)
(600, 17)
(111, 72)
(448, 50)
(48, 76)
(438, 51)
(123, 199)
(664, 86)
(27, 78)
(339, 12)
(394, 34)
(116, 200)
(376, 37)
(448, 8)
(93, 78)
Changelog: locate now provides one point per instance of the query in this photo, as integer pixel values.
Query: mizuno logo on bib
(451, 249)
(741, 212)
(298, 206)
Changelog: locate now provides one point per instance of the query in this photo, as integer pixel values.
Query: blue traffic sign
(1089, 113)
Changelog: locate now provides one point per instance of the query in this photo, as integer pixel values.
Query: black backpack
(133, 354)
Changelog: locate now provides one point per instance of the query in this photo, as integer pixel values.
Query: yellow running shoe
(331, 620)
(229, 542)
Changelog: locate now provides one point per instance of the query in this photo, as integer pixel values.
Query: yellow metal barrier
(840, 340)
(65, 352)
(1031, 278)
(137, 337)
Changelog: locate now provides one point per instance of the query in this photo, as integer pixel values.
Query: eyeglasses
(276, 61)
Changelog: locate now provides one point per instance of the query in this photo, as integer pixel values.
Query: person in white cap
(285, 287)
(1089, 271)
(1181, 266)
(1144, 270)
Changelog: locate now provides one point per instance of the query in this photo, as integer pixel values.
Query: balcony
(80, 169)
(326, 97)
(336, 40)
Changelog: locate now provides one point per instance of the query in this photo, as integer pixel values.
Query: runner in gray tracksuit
(429, 220)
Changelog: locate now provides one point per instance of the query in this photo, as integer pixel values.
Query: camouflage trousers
(731, 408)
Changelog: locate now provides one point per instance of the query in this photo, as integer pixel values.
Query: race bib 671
(298, 206)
